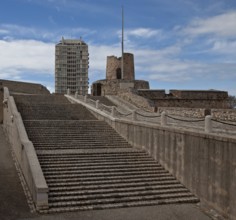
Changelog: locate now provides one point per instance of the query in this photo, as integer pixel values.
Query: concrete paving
(13, 202)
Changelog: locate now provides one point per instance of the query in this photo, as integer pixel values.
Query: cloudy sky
(181, 44)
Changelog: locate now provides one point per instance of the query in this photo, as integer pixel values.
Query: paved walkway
(13, 203)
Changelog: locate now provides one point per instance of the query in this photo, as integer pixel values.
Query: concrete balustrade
(25, 153)
(68, 92)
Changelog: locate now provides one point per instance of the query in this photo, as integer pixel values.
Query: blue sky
(181, 44)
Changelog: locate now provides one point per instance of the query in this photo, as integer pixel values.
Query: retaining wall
(24, 152)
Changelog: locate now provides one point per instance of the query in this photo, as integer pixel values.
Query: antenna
(122, 46)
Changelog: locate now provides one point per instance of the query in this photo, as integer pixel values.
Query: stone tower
(113, 68)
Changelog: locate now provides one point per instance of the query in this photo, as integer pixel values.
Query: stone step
(104, 170)
(84, 174)
(81, 147)
(78, 164)
(190, 199)
(151, 188)
(104, 180)
(82, 195)
(128, 199)
(87, 151)
(134, 154)
(98, 167)
(118, 187)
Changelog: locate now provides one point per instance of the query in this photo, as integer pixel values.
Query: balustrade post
(68, 91)
(76, 94)
(163, 118)
(208, 124)
(134, 115)
(97, 104)
(85, 98)
(113, 111)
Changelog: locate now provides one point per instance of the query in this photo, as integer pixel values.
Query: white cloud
(143, 32)
(220, 25)
(11, 31)
(26, 55)
(225, 47)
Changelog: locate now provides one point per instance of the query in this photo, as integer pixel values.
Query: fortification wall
(199, 94)
(114, 87)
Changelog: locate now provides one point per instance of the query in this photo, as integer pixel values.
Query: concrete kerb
(25, 153)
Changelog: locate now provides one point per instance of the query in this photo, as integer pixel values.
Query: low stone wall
(205, 163)
(24, 152)
(191, 103)
(185, 112)
(224, 114)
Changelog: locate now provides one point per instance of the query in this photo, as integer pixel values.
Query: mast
(122, 46)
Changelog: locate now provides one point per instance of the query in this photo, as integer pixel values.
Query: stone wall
(152, 94)
(199, 94)
(224, 114)
(185, 112)
(187, 98)
(191, 103)
(114, 87)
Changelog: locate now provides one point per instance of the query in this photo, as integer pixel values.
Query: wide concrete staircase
(88, 165)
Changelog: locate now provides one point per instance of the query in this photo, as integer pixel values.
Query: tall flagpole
(122, 46)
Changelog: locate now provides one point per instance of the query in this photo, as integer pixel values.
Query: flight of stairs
(88, 165)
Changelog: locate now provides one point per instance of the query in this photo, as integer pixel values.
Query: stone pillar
(97, 104)
(208, 124)
(163, 119)
(68, 91)
(113, 111)
(76, 94)
(134, 115)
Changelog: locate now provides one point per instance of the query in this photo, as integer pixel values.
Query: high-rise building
(71, 66)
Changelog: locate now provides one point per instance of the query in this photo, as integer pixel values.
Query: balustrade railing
(207, 124)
